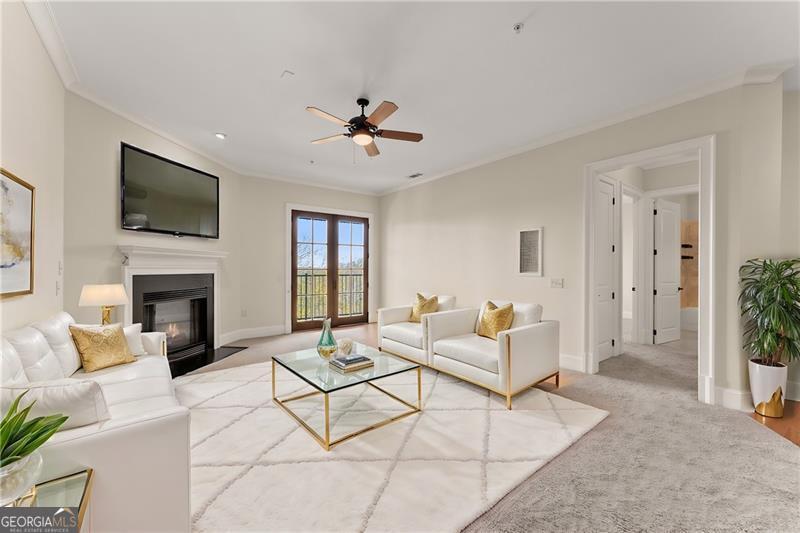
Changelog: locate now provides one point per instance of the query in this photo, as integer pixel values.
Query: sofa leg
(558, 375)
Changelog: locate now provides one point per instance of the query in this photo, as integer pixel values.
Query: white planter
(768, 387)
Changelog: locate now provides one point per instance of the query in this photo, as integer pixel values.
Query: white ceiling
(458, 72)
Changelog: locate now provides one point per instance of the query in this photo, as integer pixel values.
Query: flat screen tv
(163, 196)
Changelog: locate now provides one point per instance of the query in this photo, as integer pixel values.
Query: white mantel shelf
(135, 253)
(151, 260)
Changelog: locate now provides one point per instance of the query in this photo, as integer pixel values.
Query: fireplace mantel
(150, 260)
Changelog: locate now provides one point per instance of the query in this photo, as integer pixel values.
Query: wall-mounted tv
(164, 196)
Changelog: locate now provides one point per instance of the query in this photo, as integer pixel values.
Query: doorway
(657, 269)
(329, 274)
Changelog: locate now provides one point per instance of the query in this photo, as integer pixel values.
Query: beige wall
(456, 235)
(32, 147)
(252, 219)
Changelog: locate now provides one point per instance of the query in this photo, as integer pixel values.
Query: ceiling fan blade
(381, 113)
(399, 135)
(372, 149)
(327, 116)
(330, 139)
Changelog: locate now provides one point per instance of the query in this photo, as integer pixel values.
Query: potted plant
(20, 462)
(770, 303)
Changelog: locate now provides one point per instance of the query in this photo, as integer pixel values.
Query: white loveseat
(398, 335)
(129, 428)
(521, 357)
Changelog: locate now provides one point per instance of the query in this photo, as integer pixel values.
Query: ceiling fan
(364, 129)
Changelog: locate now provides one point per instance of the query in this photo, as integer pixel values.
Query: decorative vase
(17, 478)
(768, 387)
(326, 346)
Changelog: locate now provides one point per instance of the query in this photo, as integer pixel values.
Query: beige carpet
(253, 468)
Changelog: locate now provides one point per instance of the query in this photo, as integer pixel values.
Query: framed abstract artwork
(530, 252)
(16, 235)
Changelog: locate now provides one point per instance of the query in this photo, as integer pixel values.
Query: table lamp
(105, 296)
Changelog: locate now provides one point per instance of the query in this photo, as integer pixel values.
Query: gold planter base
(774, 407)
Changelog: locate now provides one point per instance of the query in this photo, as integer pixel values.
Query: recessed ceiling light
(221, 136)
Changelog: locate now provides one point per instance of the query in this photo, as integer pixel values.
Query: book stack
(349, 363)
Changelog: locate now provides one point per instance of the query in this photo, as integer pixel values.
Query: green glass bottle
(326, 346)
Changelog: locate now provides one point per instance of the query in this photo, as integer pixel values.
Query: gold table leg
(327, 423)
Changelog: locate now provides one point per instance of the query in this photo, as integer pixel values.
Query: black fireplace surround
(182, 306)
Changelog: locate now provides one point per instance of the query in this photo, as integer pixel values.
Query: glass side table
(72, 492)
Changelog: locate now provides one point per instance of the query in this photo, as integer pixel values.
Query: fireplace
(181, 306)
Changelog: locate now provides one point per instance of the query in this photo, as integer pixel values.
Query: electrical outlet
(556, 283)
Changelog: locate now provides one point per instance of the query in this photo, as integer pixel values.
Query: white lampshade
(99, 295)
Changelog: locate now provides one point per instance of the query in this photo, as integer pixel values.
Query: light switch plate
(556, 283)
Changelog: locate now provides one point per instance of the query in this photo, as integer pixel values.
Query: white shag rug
(254, 468)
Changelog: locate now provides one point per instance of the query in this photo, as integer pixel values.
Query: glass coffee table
(317, 372)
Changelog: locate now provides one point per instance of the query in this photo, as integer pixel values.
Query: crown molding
(43, 19)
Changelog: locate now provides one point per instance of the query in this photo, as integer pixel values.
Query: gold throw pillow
(423, 306)
(101, 347)
(495, 319)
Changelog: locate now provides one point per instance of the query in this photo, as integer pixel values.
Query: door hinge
(612, 295)
(655, 211)
(613, 200)
(613, 343)
(655, 333)
(655, 252)
(655, 292)
(613, 248)
(633, 289)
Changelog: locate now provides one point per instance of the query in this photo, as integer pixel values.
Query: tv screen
(163, 196)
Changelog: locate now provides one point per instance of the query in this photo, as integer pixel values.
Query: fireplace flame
(172, 330)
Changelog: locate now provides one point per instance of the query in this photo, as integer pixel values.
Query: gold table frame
(325, 441)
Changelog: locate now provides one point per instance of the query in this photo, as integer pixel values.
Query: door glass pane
(357, 257)
(358, 304)
(344, 232)
(303, 256)
(320, 256)
(303, 230)
(358, 233)
(344, 256)
(320, 230)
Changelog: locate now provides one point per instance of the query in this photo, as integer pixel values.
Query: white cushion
(11, 370)
(524, 313)
(56, 331)
(133, 334)
(409, 333)
(81, 401)
(125, 387)
(446, 303)
(470, 349)
(38, 359)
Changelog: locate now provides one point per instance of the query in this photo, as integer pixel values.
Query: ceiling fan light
(362, 137)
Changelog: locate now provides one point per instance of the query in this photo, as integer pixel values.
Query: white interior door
(604, 273)
(667, 272)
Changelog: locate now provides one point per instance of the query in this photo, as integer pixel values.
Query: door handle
(680, 289)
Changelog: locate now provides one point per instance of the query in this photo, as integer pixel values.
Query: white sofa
(130, 429)
(521, 357)
(398, 335)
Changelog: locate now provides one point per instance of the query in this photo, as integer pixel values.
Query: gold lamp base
(107, 314)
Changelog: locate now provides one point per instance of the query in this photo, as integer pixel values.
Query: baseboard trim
(249, 333)
(571, 362)
(733, 399)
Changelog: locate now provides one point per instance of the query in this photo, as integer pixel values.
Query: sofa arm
(533, 352)
(138, 462)
(391, 315)
(449, 324)
(155, 342)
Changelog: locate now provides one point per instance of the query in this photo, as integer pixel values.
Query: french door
(329, 269)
